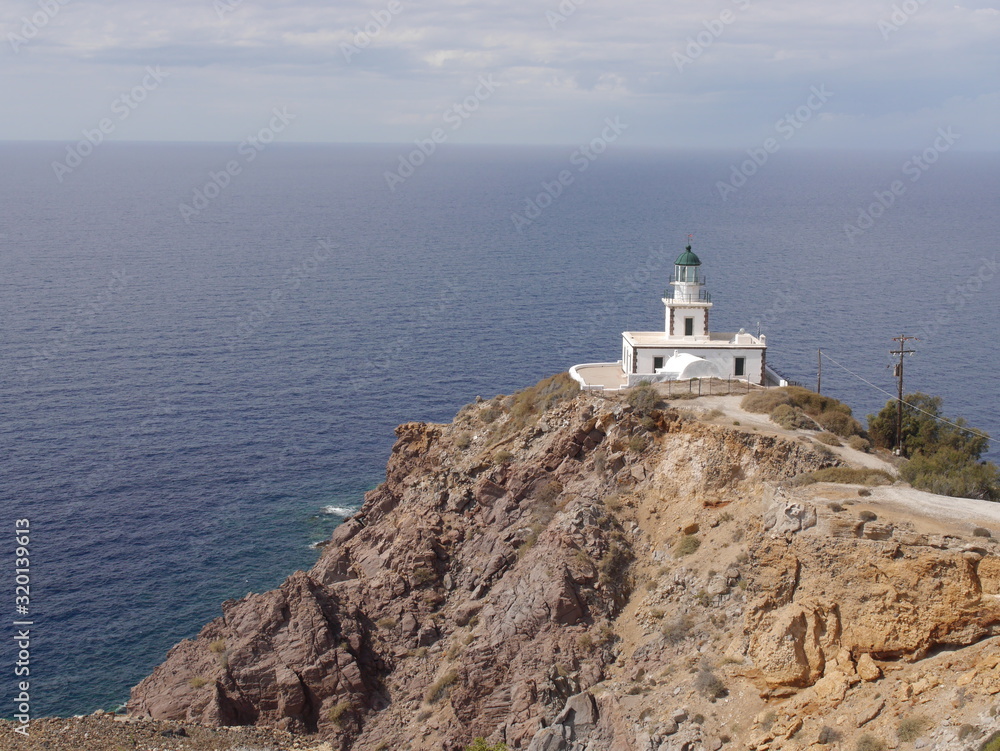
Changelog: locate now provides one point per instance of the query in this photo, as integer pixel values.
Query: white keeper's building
(687, 347)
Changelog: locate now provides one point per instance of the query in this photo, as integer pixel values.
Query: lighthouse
(687, 303)
(686, 347)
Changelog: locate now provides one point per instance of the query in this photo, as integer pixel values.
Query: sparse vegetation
(869, 742)
(198, 681)
(643, 398)
(600, 461)
(864, 492)
(218, 646)
(992, 743)
(526, 405)
(944, 459)
(791, 418)
(839, 423)
(549, 492)
(436, 691)
(338, 713)
(463, 440)
(502, 457)
(687, 545)
(867, 516)
(709, 685)
(981, 532)
(765, 402)
(966, 730)
(835, 507)
(676, 629)
(828, 735)
(614, 562)
(638, 444)
(846, 475)
(911, 728)
(386, 623)
(829, 439)
(480, 744)
(858, 443)
(423, 576)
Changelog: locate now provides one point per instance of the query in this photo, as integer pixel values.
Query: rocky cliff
(561, 570)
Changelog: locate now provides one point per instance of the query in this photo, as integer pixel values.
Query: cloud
(747, 59)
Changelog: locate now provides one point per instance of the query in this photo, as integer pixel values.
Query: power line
(911, 406)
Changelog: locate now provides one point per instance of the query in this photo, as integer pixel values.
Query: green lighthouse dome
(687, 258)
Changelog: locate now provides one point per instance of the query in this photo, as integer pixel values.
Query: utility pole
(899, 375)
(819, 373)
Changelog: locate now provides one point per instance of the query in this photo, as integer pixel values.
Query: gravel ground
(107, 732)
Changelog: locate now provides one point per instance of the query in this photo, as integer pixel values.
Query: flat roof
(715, 339)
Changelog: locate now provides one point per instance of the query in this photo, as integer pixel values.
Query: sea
(203, 355)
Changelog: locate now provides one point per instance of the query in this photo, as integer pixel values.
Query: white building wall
(724, 360)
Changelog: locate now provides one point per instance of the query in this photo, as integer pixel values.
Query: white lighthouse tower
(687, 304)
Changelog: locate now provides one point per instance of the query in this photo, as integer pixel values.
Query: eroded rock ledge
(524, 575)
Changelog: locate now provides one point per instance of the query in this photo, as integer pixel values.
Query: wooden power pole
(902, 351)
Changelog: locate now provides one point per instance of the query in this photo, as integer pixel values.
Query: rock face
(526, 575)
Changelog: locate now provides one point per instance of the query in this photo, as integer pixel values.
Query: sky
(859, 74)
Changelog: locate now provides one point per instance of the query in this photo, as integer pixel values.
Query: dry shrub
(765, 402)
(847, 476)
(791, 418)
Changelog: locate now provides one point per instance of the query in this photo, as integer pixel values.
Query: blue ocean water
(189, 402)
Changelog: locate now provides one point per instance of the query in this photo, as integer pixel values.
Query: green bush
(480, 744)
(839, 423)
(948, 471)
(992, 743)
